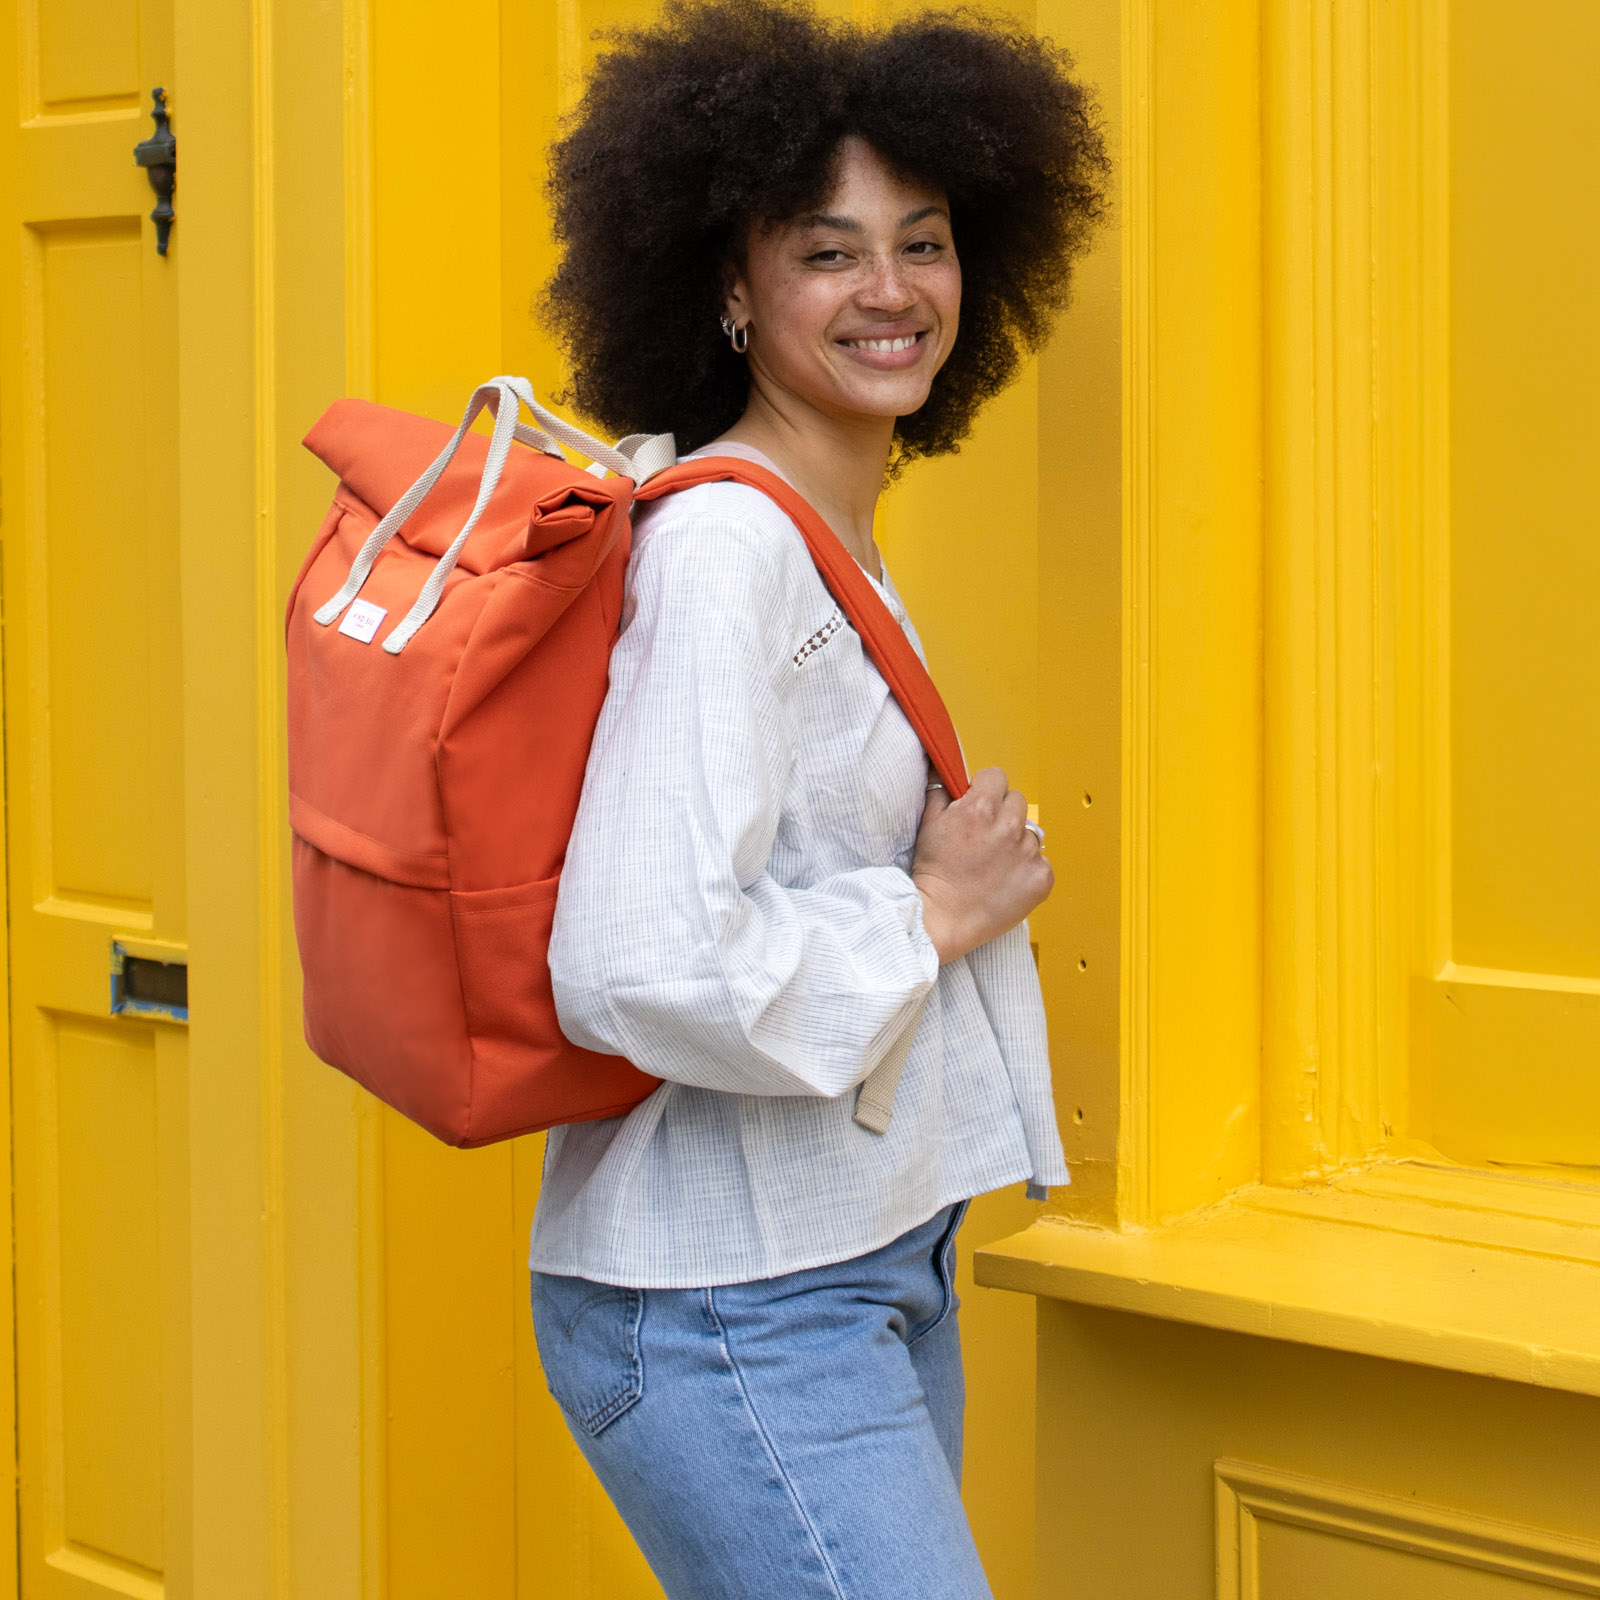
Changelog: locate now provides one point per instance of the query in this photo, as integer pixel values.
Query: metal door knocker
(158, 155)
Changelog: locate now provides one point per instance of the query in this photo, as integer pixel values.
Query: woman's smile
(889, 349)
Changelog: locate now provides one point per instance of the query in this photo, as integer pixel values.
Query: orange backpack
(442, 700)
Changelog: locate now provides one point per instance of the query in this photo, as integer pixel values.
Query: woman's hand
(979, 870)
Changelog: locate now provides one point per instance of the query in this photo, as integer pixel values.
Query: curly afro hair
(727, 114)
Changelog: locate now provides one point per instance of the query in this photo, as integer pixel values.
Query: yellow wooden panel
(436, 130)
(1509, 1071)
(1525, 485)
(105, 1235)
(326, 1503)
(97, 555)
(1192, 603)
(75, 167)
(1135, 1413)
(1506, 1036)
(1387, 1271)
(1080, 693)
(1308, 1564)
(1431, 679)
(91, 545)
(1291, 1536)
(275, 1423)
(448, 1347)
(88, 52)
(1135, 1410)
(449, 1307)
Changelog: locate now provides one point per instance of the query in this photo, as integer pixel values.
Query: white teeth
(887, 345)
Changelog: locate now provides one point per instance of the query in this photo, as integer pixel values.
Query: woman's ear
(735, 294)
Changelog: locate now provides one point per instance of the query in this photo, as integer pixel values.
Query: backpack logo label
(361, 620)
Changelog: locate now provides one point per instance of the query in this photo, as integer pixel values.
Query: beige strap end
(875, 1099)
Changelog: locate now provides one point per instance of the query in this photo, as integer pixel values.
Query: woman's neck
(837, 464)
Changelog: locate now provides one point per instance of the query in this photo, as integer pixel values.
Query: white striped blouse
(736, 917)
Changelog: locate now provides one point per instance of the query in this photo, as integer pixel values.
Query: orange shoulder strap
(883, 637)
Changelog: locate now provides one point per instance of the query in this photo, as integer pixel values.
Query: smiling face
(852, 309)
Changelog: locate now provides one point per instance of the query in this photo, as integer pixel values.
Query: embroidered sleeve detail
(819, 638)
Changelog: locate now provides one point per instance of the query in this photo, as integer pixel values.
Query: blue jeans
(797, 1437)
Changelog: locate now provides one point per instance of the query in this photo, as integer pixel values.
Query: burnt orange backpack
(448, 641)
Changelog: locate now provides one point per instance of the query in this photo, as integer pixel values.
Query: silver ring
(1034, 828)
(934, 785)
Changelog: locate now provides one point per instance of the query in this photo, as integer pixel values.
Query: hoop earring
(738, 335)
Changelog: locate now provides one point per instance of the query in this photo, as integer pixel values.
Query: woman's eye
(925, 247)
(827, 257)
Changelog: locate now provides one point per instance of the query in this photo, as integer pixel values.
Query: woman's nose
(887, 288)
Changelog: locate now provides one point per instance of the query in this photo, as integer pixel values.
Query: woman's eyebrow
(827, 219)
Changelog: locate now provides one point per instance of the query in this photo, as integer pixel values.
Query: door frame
(285, 1431)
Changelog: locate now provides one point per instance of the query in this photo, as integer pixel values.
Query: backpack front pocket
(503, 949)
(525, 1073)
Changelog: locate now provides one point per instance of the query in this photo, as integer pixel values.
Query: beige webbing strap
(875, 1098)
(640, 457)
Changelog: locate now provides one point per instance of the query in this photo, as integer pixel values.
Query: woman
(819, 249)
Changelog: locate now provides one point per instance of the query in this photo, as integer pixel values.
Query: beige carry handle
(639, 456)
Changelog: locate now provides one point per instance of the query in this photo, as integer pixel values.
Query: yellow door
(93, 803)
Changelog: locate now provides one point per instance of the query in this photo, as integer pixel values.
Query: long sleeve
(673, 943)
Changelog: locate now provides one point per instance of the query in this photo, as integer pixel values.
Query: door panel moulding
(106, 1573)
(1252, 1499)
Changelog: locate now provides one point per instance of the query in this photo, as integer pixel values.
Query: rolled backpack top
(448, 641)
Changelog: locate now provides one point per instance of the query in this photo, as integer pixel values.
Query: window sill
(1473, 1272)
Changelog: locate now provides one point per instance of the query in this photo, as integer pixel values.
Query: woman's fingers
(978, 868)
(986, 793)
(991, 813)
(1004, 810)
